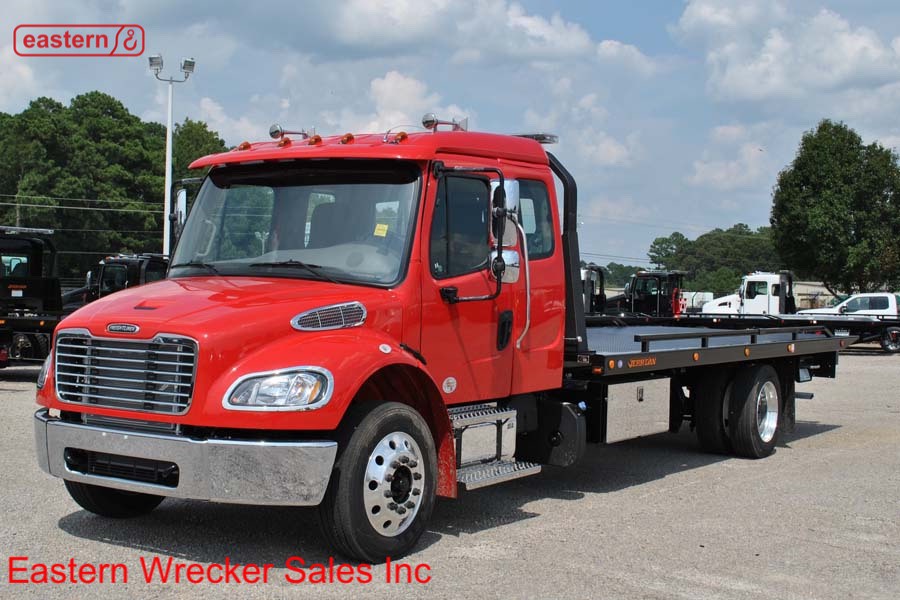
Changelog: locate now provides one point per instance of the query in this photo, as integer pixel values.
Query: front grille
(143, 375)
(338, 316)
(144, 470)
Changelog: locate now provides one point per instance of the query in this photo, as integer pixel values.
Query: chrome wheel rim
(393, 485)
(892, 341)
(767, 411)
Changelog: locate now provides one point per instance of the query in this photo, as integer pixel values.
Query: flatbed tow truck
(30, 297)
(365, 322)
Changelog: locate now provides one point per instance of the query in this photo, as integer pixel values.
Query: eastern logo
(122, 328)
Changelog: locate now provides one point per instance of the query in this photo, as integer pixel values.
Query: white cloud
(759, 52)
(398, 100)
(625, 55)
(230, 128)
(747, 170)
(17, 80)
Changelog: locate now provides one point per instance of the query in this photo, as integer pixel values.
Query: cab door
(467, 344)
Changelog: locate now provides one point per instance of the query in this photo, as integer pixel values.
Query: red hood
(245, 311)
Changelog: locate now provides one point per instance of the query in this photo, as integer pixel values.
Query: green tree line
(94, 173)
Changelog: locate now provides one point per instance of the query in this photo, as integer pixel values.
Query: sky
(672, 116)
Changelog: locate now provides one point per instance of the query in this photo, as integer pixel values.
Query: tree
(716, 260)
(835, 215)
(94, 173)
(190, 141)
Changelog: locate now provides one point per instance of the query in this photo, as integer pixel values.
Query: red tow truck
(366, 322)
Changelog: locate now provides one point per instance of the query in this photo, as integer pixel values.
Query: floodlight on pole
(187, 67)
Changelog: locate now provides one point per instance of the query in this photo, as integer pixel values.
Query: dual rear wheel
(739, 414)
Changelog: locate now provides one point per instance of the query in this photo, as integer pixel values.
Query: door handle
(450, 295)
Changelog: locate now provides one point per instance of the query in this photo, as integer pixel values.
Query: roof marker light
(244, 146)
(347, 138)
(315, 140)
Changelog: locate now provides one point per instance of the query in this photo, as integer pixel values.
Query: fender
(364, 363)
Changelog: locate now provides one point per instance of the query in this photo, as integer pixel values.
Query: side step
(486, 446)
(479, 476)
(463, 416)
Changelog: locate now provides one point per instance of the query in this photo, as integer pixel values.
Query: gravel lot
(647, 518)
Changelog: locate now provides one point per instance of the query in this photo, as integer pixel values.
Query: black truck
(30, 294)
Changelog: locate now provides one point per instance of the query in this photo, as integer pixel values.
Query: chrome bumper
(244, 472)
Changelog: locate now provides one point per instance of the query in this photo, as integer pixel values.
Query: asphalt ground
(648, 518)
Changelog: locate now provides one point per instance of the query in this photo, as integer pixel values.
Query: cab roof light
(347, 138)
(243, 146)
(315, 140)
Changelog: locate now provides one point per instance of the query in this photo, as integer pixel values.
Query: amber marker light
(696, 356)
(746, 351)
(315, 140)
(597, 370)
(347, 138)
(612, 364)
(285, 141)
(790, 347)
(244, 146)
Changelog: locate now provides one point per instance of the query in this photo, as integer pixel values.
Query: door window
(536, 218)
(459, 227)
(878, 303)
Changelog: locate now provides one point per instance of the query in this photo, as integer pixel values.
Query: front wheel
(755, 412)
(890, 340)
(107, 502)
(382, 490)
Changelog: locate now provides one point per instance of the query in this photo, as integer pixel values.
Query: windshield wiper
(296, 264)
(202, 265)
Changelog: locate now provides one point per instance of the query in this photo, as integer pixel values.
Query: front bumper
(237, 471)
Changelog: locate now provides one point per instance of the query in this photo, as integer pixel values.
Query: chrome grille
(143, 375)
(338, 316)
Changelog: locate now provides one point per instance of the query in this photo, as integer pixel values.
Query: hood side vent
(336, 316)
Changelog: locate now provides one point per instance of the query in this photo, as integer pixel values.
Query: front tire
(755, 416)
(382, 490)
(107, 502)
(890, 340)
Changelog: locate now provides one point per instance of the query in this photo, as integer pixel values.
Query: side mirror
(511, 188)
(89, 279)
(509, 273)
(627, 288)
(843, 309)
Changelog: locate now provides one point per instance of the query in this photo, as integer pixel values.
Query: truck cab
(115, 273)
(760, 294)
(654, 293)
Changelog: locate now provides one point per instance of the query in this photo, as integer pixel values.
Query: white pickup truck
(877, 304)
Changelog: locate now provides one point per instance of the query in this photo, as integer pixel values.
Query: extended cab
(365, 322)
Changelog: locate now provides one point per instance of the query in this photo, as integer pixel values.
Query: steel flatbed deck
(653, 350)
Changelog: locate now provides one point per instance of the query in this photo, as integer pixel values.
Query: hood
(238, 312)
(732, 304)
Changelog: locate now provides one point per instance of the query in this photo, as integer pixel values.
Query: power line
(76, 199)
(48, 206)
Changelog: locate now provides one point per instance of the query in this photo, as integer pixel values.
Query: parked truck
(653, 293)
(115, 273)
(365, 322)
(766, 299)
(30, 296)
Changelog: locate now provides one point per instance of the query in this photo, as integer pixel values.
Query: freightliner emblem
(122, 328)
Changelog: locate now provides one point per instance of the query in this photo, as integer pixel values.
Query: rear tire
(755, 415)
(382, 490)
(890, 340)
(107, 502)
(711, 412)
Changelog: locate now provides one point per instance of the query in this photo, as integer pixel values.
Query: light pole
(187, 67)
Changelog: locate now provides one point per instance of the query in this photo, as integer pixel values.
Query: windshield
(338, 220)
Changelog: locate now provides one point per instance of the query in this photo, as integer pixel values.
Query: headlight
(45, 370)
(300, 388)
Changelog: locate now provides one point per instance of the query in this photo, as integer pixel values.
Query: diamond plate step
(479, 476)
(464, 416)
